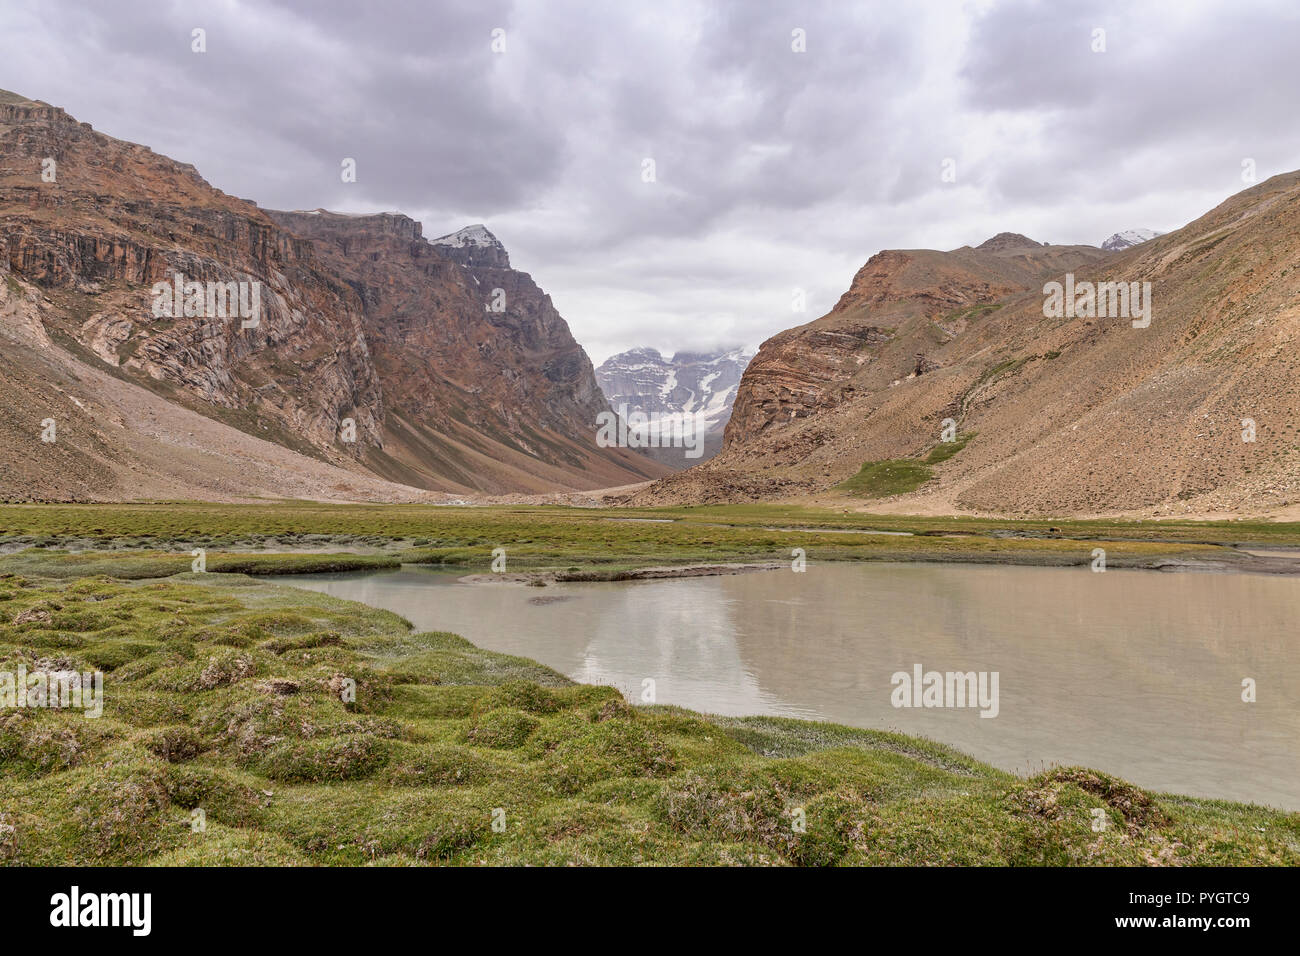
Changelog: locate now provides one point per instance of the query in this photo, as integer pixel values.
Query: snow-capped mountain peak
(1129, 238)
(474, 246)
(475, 235)
(690, 383)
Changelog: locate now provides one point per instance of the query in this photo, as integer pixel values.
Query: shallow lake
(1136, 673)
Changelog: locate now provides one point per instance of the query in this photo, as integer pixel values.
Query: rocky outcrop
(105, 220)
(795, 374)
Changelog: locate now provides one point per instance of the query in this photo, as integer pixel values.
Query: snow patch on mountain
(475, 235)
(1129, 238)
(671, 391)
(474, 247)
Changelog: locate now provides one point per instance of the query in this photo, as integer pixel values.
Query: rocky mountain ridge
(901, 308)
(1193, 413)
(339, 366)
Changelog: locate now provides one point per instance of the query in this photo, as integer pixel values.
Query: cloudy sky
(775, 168)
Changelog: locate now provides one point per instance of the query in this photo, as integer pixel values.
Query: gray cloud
(775, 169)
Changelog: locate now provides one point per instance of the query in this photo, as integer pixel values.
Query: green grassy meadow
(147, 539)
(251, 723)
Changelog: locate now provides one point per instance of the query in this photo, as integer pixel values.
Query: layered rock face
(109, 219)
(694, 386)
(350, 311)
(902, 307)
(485, 387)
(1077, 413)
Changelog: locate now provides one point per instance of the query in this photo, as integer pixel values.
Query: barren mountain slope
(94, 223)
(903, 306)
(115, 440)
(116, 219)
(1069, 415)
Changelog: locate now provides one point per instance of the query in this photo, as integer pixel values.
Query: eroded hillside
(1068, 415)
(376, 377)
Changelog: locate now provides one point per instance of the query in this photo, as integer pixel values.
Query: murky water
(1135, 673)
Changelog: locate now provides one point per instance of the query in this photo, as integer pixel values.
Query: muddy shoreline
(543, 578)
(1233, 562)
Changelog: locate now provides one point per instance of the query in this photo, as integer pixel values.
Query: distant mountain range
(701, 385)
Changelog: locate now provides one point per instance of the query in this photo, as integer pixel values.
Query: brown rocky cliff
(465, 384)
(118, 218)
(483, 401)
(902, 306)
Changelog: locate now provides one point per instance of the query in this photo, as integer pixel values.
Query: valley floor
(148, 538)
(245, 722)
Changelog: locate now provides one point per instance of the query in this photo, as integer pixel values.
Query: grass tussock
(309, 730)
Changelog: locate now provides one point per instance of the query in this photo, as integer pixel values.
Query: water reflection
(1135, 673)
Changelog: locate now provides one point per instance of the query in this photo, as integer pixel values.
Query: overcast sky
(774, 169)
